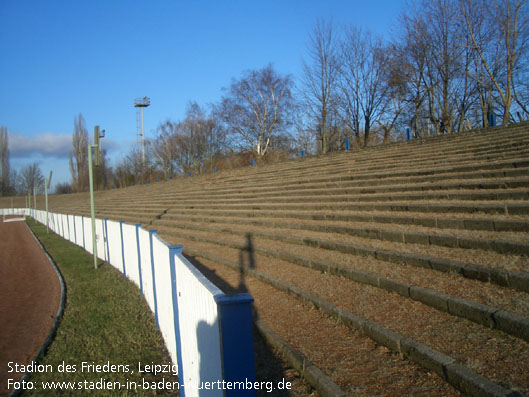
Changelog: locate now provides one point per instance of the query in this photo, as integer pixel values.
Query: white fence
(207, 333)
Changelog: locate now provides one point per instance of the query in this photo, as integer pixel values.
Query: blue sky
(61, 58)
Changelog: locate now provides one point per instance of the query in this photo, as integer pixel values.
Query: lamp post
(46, 187)
(91, 177)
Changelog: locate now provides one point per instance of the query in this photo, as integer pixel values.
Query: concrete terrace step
(510, 169)
(282, 165)
(467, 223)
(285, 230)
(380, 158)
(472, 149)
(505, 208)
(485, 197)
(407, 169)
(459, 376)
(340, 196)
(338, 293)
(476, 312)
(469, 180)
(384, 153)
(434, 158)
(350, 188)
(495, 272)
(390, 231)
(503, 178)
(391, 175)
(339, 159)
(367, 195)
(334, 342)
(370, 269)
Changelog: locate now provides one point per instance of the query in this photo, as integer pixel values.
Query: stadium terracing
(397, 269)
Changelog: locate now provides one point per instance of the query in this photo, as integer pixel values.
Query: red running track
(29, 298)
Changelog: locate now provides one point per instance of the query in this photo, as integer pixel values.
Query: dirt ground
(29, 299)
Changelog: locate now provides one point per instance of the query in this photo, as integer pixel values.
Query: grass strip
(105, 321)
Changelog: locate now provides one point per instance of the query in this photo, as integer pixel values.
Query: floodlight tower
(141, 103)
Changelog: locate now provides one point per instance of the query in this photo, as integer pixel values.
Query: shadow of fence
(268, 367)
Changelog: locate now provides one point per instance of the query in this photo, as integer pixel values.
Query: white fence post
(151, 232)
(138, 225)
(122, 248)
(105, 231)
(82, 223)
(173, 251)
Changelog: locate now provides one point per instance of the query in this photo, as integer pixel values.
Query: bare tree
(123, 175)
(320, 80)
(498, 32)
(443, 67)
(30, 177)
(396, 79)
(131, 169)
(350, 80)
(6, 188)
(440, 68)
(191, 145)
(13, 178)
(203, 138)
(484, 89)
(438, 64)
(521, 96)
(521, 90)
(412, 53)
(79, 155)
(102, 172)
(364, 80)
(164, 148)
(63, 188)
(257, 107)
(467, 91)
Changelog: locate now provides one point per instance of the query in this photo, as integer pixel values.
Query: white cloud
(46, 145)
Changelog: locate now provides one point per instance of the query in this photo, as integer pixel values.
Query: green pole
(46, 195)
(34, 197)
(91, 176)
(46, 187)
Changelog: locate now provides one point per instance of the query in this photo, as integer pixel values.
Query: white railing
(208, 334)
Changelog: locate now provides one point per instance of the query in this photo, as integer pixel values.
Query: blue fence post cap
(234, 299)
(176, 248)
